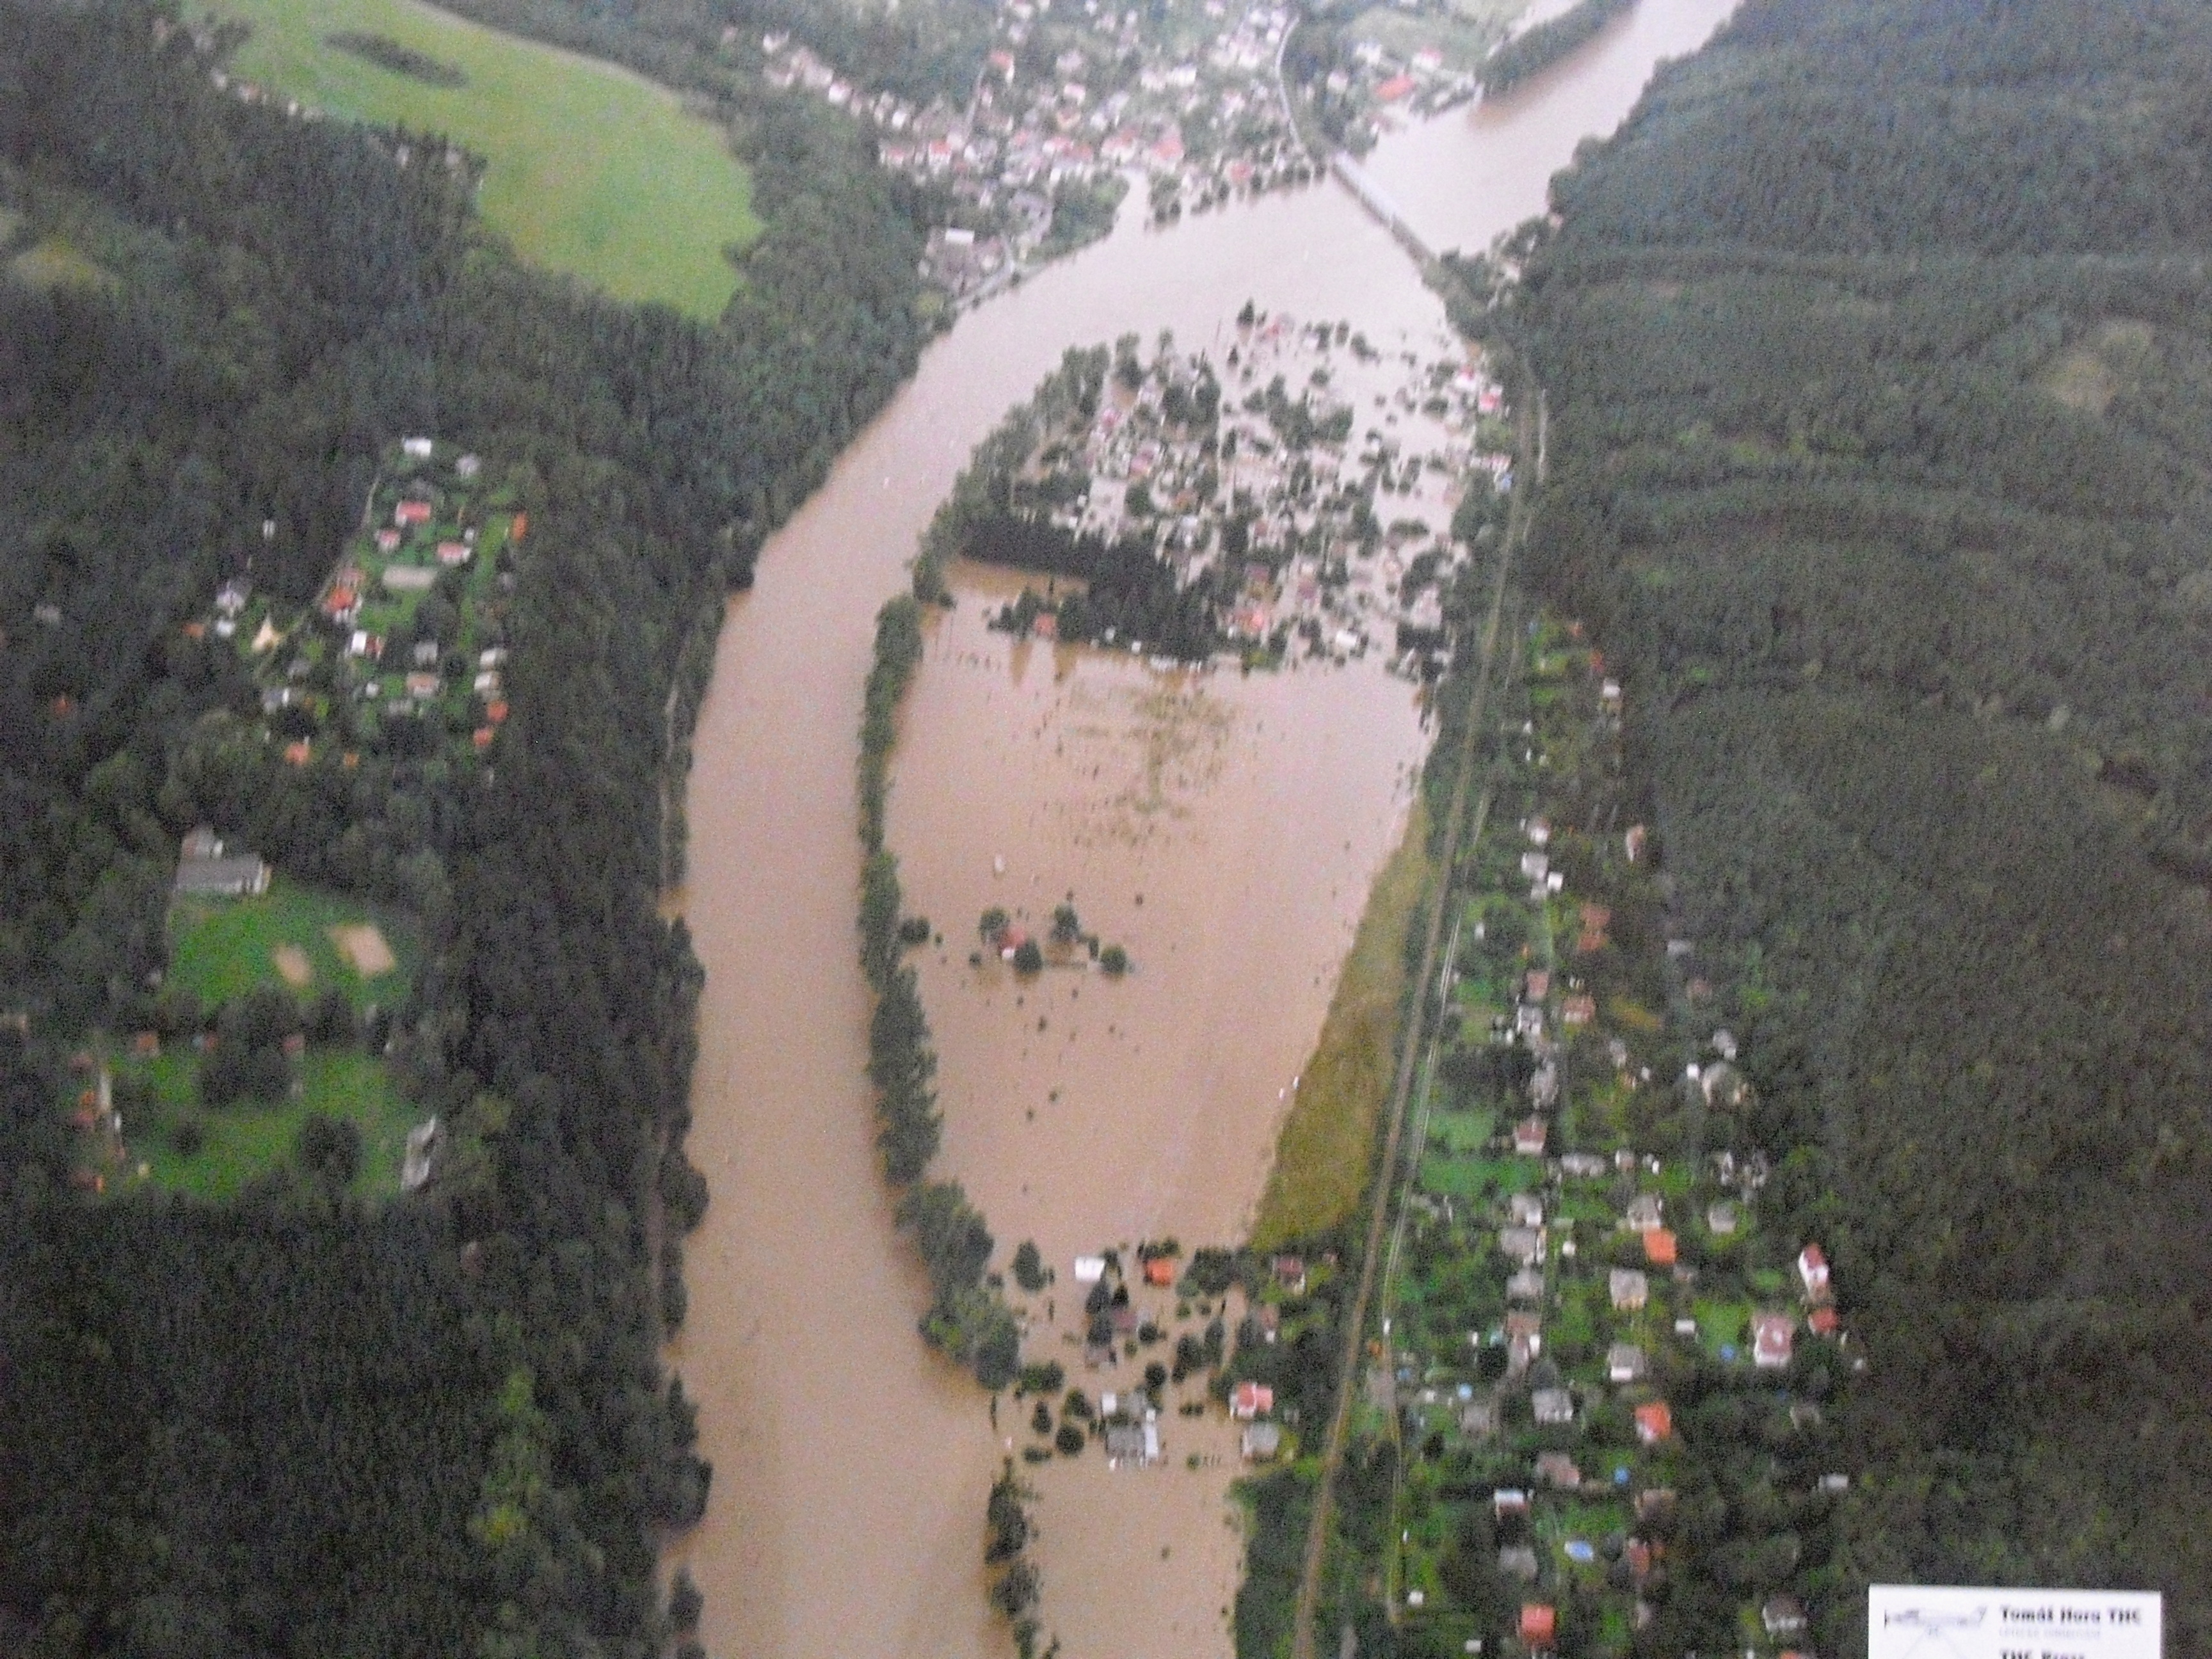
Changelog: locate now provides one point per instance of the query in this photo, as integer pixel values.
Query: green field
(219, 949)
(590, 169)
(247, 1140)
(222, 948)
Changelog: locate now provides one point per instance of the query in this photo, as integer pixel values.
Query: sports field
(589, 168)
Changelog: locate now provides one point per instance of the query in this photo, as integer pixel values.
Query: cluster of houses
(1323, 544)
(1385, 87)
(1146, 1310)
(1082, 96)
(1619, 1272)
(357, 661)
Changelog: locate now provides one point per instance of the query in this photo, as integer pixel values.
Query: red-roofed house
(1540, 1624)
(1390, 92)
(1529, 1137)
(1659, 1247)
(1654, 1422)
(452, 553)
(1160, 1270)
(1251, 1400)
(407, 515)
(1824, 1322)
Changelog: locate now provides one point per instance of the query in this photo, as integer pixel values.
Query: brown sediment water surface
(850, 1463)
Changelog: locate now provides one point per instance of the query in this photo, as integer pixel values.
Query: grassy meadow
(293, 936)
(590, 169)
(1328, 1144)
(252, 1138)
(220, 949)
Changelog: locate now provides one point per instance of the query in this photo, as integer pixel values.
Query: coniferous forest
(295, 1423)
(1881, 463)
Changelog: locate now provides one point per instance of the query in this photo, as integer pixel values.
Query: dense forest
(296, 1424)
(1536, 49)
(1876, 349)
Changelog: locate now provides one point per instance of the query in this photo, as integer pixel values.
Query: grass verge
(1327, 1141)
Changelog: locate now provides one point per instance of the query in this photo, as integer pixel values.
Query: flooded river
(850, 1464)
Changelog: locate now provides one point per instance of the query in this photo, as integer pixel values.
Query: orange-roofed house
(1824, 1322)
(1390, 92)
(195, 630)
(298, 754)
(1160, 1270)
(1654, 1422)
(514, 531)
(1659, 1247)
(497, 713)
(1540, 1624)
(482, 737)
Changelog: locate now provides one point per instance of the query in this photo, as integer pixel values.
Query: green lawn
(590, 169)
(247, 1140)
(223, 948)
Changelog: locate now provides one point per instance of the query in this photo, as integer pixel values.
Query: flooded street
(850, 1463)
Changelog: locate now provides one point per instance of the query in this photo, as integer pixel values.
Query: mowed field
(589, 169)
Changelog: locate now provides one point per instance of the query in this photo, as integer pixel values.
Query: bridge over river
(1371, 196)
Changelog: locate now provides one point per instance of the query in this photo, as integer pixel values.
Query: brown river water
(850, 1463)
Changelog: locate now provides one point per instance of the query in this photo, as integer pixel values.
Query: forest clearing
(589, 169)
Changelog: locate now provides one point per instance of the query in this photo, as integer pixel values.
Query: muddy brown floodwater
(850, 1464)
